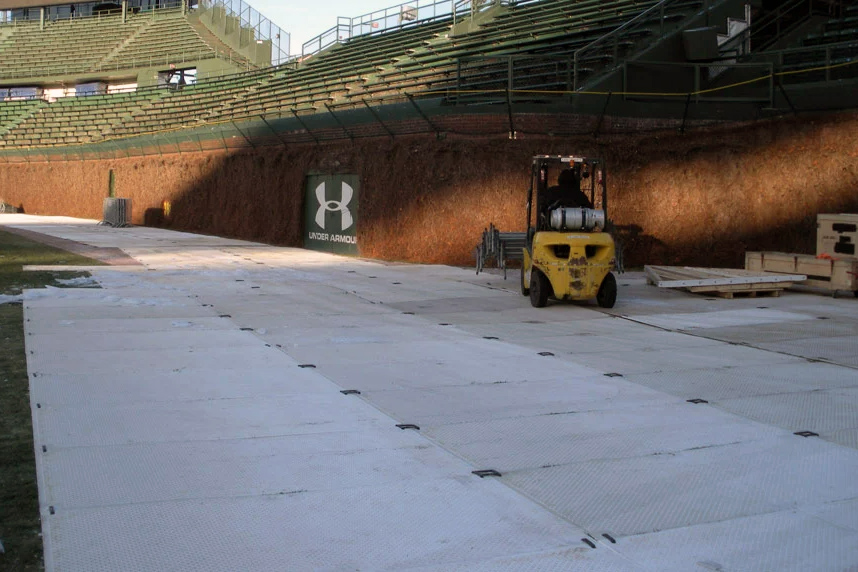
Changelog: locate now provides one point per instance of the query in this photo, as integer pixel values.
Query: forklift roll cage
(594, 187)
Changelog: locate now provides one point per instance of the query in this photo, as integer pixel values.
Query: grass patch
(20, 528)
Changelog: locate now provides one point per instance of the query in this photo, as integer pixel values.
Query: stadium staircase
(166, 37)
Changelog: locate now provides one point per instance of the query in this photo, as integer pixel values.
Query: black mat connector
(806, 434)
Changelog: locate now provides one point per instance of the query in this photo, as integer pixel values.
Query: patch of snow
(80, 281)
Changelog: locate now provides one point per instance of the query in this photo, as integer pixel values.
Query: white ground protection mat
(176, 428)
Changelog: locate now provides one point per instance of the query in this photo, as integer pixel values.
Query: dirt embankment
(700, 198)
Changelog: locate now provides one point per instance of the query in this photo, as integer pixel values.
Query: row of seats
(75, 46)
(13, 112)
(834, 45)
(839, 29)
(413, 59)
(73, 119)
(64, 46)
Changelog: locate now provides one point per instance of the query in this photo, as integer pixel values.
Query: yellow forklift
(569, 253)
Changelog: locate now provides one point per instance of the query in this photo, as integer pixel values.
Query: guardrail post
(568, 75)
(575, 71)
(512, 132)
(616, 49)
(510, 83)
(771, 84)
(458, 78)
(685, 114)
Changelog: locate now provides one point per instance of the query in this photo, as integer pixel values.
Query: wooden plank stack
(831, 274)
(835, 266)
(723, 282)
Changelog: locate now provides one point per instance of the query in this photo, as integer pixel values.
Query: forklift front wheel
(540, 289)
(524, 288)
(607, 295)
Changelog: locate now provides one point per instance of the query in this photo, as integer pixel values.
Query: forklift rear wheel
(540, 288)
(607, 295)
(524, 289)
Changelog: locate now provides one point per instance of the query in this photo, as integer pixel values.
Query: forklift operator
(567, 193)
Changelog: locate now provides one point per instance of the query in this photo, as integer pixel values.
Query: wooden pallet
(723, 282)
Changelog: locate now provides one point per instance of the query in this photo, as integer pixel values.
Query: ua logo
(334, 206)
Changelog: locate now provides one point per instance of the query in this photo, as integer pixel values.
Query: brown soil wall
(698, 198)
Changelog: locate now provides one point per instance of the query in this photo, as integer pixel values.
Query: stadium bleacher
(169, 38)
(422, 57)
(29, 52)
(100, 43)
(414, 58)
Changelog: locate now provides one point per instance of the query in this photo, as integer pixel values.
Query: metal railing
(608, 45)
(255, 28)
(494, 78)
(828, 62)
(723, 81)
(784, 18)
(533, 79)
(396, 17)
(78, 10)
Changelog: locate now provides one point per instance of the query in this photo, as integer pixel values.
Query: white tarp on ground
(180, 431)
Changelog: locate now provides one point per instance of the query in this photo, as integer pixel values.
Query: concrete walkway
(190, 416)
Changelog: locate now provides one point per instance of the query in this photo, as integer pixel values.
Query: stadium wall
(699, 198)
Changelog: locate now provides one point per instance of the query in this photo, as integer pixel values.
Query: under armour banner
(331, 213)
